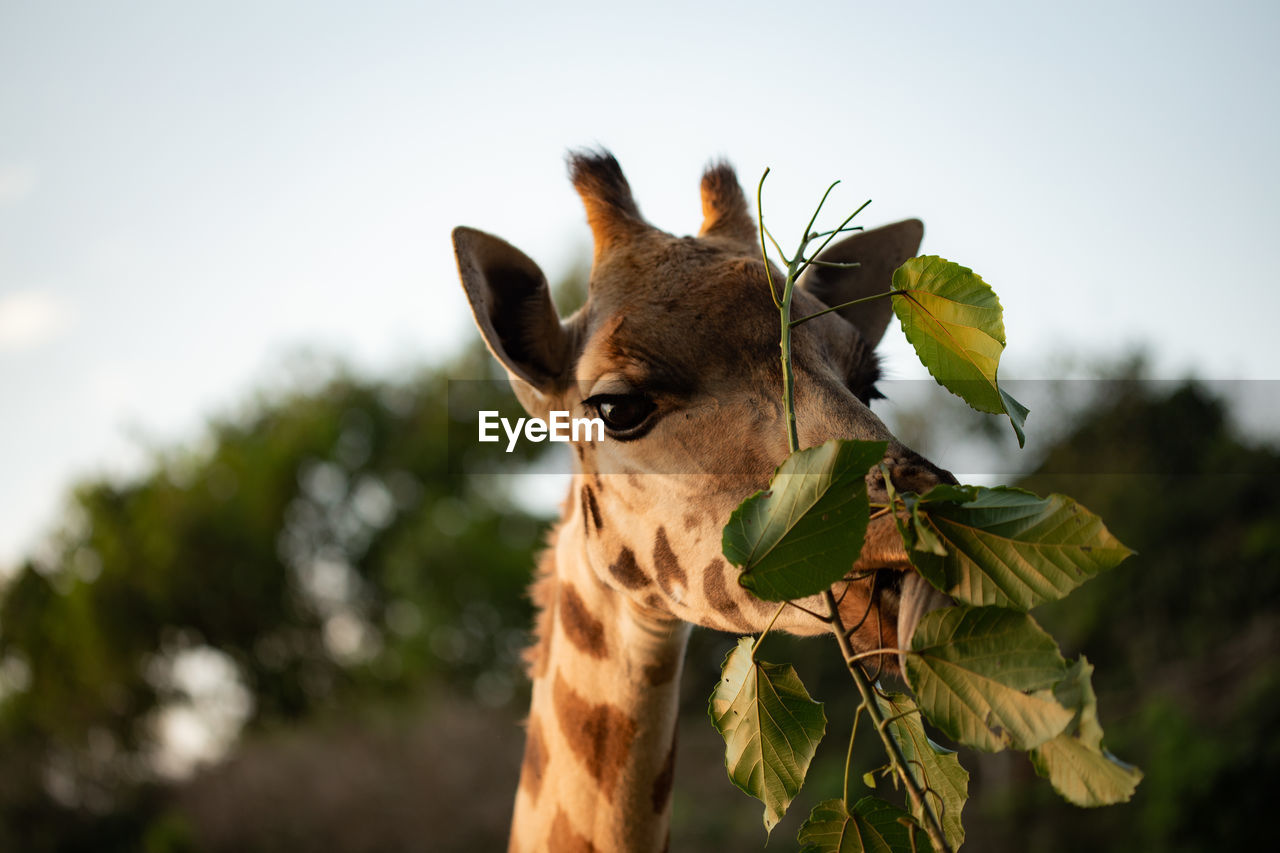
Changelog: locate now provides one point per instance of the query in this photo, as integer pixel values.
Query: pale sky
(189, 192)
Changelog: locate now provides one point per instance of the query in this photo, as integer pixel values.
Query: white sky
(190, 191)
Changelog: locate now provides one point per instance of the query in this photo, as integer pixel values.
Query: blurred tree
(322, 546)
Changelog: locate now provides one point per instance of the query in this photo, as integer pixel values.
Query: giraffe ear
(512, 305)
(879, 252)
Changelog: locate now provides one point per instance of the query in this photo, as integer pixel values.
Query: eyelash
(628, 434)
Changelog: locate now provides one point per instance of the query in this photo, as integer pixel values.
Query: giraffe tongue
(918, 597)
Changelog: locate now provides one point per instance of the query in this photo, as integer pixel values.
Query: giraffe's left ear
(512, 305)
(878, 253)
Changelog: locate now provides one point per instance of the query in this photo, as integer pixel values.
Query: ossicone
(725, 212)
(612, 212)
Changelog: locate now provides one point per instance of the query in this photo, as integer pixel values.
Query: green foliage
(984, 675)
(1006, 547)
(870, 826)
(801, 536)
(935, 768)
(1075, 762)
(954, 320)
(771, 728)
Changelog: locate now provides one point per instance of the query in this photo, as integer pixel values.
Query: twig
(932, 825)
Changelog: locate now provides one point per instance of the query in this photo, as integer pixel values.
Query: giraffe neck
(600, 749)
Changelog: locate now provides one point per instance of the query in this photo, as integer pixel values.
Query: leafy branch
(983, 671)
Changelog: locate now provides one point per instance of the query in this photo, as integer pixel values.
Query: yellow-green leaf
(954, 320)
(1075, 762)
(771, 728)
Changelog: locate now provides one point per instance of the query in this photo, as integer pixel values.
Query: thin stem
(781, 253)
(766, 630)
(871, 588)
(818, 616)
(874, 678)
(764, 251)
(838, 265)
(812, 219)
(848, 758)
(795, 323)
(827, 242)
(875, 652)
(837, 231)
(931, 824)
(788, 378)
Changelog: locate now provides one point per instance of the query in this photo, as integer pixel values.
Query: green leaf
(1075, 762)
(873, 826)
(806, 531)
(1009, 548)
(771, 728)
(932, 766)
(982, 675)
(954, 320)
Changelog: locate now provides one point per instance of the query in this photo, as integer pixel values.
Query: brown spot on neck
(599, 735)
(535, 760)
(717, 592)
(627, 571)
(665, 561)
(583, 630)
(565, 838)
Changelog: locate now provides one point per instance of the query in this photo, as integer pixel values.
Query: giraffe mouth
(900, 593)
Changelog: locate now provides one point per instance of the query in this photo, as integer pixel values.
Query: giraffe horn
(612, 212)
(725, 212)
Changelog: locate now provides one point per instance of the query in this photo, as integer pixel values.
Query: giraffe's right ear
(512, 305)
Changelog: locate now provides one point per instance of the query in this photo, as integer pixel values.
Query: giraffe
(676, 350)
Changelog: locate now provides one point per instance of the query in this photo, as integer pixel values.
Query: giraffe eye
(622, 413)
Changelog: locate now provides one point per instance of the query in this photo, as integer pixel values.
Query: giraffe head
(676, 350)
